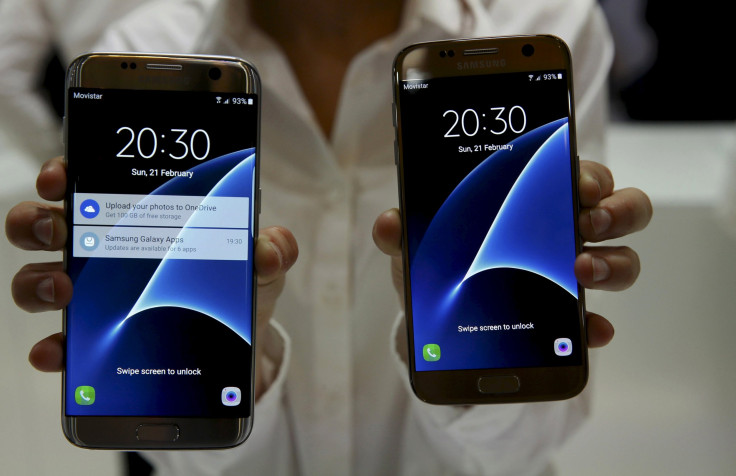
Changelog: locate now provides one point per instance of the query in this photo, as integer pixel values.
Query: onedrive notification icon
(89, 208)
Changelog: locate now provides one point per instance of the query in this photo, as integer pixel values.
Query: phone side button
(499, 384)
(147, 432)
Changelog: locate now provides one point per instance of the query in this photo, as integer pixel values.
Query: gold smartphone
(162, 212)
(488, 175)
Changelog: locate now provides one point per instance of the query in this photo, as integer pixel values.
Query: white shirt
(340, 401)
(29, 31)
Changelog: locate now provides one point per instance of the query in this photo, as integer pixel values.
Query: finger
(607, 267)
(41, 287)
(387, 236)
(51, 181)
(276, 251)
(48, 354)
(625, 211)
(600, 330)
(36, 226)
(387, 232)
(596, 183)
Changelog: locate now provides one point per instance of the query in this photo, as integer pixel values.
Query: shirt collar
(455, 18)
(229, 31)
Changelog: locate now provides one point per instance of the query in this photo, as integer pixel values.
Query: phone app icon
(431, 352)
(89, 241)
(89, 208)
(84, 395)
(231, 396)
(563, 346)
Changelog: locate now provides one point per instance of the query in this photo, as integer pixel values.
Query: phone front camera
(443, 53)
(132, 65)
(451, 53)
(124, 65)
(527, 50)
(215, 74)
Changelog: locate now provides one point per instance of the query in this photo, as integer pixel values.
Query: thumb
(275, 252)
(387, 236)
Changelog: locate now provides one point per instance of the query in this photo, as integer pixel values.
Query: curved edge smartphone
(488, 177)
(162, 206)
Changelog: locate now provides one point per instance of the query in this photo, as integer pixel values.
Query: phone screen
(161, 217)
(490, 221)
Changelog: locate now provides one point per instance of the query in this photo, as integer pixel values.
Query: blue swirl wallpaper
(182, 314)
(506, 229)
(165, 287)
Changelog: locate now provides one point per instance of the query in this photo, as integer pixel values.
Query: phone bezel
(104, 71)
(439, 59)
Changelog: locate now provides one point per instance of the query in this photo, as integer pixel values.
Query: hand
(45, 286)
(605, 214)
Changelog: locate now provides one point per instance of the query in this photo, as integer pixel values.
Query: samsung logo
(481, 64)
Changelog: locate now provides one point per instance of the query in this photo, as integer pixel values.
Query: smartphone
(488, 176)
(162, 210)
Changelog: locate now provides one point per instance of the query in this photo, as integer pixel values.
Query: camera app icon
(231, 396)
(563, 346)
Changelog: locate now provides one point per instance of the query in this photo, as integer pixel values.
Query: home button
(499, 384)
(158, 432)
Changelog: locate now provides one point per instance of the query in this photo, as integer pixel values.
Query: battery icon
(559, 75)
(250, 101)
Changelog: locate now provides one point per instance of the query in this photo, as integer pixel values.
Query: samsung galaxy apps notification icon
(89, 241)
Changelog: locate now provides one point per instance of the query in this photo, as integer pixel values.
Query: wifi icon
(219, 98)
